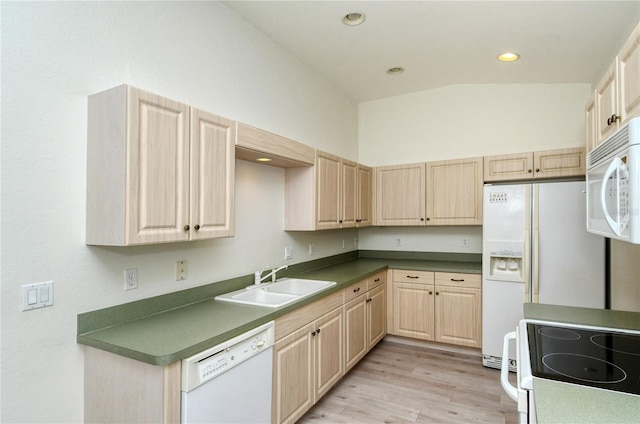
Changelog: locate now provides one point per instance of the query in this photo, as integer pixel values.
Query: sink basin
(277, 294)
(298, 286)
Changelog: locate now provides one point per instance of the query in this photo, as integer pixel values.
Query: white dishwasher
(230, 382)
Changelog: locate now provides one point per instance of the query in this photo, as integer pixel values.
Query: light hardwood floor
(397, 383)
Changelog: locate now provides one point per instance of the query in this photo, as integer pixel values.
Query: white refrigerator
(535, 249)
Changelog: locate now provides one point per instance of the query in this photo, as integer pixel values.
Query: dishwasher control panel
(212, 362)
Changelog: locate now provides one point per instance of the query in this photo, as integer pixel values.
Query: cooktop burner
(598, 358)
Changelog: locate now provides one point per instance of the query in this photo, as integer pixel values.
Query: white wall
(54, 54)
(461, 121)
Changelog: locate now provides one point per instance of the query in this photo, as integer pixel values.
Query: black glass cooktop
(606, 359)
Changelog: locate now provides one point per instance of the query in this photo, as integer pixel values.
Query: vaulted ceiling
(439, 43)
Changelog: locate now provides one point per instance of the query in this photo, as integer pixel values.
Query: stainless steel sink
(278, 293)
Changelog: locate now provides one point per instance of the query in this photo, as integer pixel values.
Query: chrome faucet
(258, 278)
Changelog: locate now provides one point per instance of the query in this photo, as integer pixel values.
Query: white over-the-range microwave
(613, 185)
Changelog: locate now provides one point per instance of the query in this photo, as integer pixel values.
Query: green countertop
(171, 327)
(558, 402)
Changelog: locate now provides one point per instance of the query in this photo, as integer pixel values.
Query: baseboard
(433, 345)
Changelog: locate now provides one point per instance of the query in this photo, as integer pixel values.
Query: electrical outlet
(355, 241)
(131, 278)
(181, 270)
(465, 241)
(398, 242)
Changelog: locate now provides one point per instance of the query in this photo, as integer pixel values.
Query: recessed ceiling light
(353, 18)
(508, 57)
(263, 160)
(396, 70)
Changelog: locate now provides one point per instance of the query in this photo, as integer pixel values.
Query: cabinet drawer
(376, 280)
(458, 280)
(355, 290)
(408, 276)
(290, 322)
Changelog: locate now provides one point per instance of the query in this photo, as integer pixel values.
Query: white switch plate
(398, 242)
(288, 252)
(310, 248)
(465, 242)
(37, 295)
(181, 270)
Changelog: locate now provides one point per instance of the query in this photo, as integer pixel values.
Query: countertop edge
(362, 268)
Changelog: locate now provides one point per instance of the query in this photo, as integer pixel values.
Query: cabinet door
(328, 345)
(400, 194)
(517, 166)
(157, 190)
(376, 315)
(629, 77)
(560, 163)
(454, 192)
(607, 104)
(413, 310)
(349, 193)
(293, 376)
(591, 124)
(458, 316)
(212, 175)
(355, 318)
(328, 208)
(364, 193)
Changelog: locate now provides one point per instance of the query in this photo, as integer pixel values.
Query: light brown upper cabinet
(400, 194)
(325, 196)
(546, 164)
(591, 128)
(616, 98)
(364, 195)
(454, 192)
(436, 193)
(157, 170)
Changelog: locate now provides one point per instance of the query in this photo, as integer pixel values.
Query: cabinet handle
(340, 221)
(186, 227)
(196, 227)
(428, 219)
(430, 292)
(529, 171)
(356, 290)
(437, 293)
(614, 118)
(460, 280)
(537, 169)
(313, 333)
(318, 331)
(412, 276)
(376, 280)
(368, 300)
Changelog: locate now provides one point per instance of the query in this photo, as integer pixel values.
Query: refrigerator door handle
(536, 265)
(527, 267)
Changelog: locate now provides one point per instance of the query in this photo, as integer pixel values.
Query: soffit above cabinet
(253, 144)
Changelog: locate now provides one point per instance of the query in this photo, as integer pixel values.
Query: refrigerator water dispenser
(506, 261)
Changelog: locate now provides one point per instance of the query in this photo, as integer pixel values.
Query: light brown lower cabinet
(441, 307)
(118, 389)
(365, 319)
(309, 360)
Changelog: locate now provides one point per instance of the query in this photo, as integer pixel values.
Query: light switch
(37, 295)
(32, 296)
